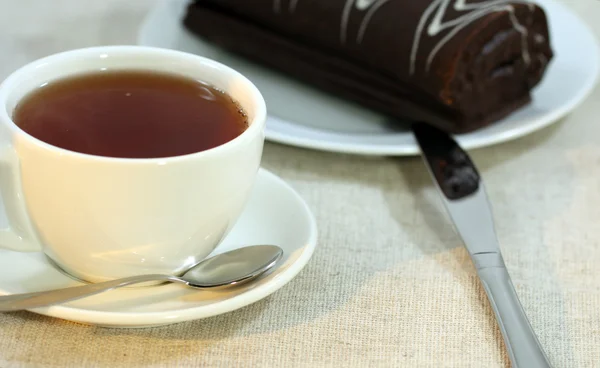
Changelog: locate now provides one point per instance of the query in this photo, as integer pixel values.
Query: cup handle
(19, 235)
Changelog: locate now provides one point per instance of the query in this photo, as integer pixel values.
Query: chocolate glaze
(459, 78)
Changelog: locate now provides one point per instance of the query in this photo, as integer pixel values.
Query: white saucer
(275, 214)
(302, 116)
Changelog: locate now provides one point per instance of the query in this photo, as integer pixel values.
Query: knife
(465, 199)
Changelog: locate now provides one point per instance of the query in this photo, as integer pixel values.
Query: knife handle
(522, 344)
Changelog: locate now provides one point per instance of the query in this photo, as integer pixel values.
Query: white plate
(275, 214)
(305, 117)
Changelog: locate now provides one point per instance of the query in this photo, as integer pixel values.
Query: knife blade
(463, 193)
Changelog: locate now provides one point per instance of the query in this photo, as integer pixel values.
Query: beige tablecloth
(390, 283)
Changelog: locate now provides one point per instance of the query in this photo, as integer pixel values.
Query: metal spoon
(226, 269)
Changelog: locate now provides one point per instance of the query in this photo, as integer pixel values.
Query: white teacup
(101, 218)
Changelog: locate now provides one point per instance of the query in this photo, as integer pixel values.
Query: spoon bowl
(234, 267)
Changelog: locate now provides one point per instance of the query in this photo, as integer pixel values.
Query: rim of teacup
(255, 126)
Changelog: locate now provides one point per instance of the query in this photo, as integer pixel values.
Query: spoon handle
(12, 303)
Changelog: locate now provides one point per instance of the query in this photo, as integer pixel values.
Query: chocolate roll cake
(456, 64)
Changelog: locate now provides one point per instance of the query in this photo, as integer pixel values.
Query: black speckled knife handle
(451, 167)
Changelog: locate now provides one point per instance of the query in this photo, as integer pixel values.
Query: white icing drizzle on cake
(363, 4)
(435, 14)
(475, 12)
(345, 18)
(360, 5)
(367, 19)
(538, 38)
